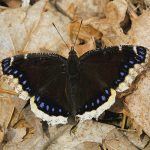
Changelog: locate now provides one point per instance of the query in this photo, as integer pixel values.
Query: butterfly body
(72, 86)
(61, 89)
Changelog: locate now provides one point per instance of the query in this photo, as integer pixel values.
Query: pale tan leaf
(117, 141)
(81, 9)
(139, 105)
(15, 135)
(140, 30)
(109, 27)
(6, 111)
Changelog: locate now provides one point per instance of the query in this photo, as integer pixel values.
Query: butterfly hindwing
(42, 78)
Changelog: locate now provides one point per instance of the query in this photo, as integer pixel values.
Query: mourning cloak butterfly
(82, 87)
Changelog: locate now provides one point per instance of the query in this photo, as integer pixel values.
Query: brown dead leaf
(13, 3)
(88, 131)
(32, 29)
(139, 105)
(134, 138)
(15, 135)
(81, 9)
(87, 146)
(7, 91)
(6, 111)
(115, 12)
(81, 49)
(1, 135)
(117, 141)
(140, 30)
(147, 147)
(86, 31)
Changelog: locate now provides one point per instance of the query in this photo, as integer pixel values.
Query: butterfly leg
(74, 127)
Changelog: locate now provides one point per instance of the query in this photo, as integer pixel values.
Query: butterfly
(61, 89)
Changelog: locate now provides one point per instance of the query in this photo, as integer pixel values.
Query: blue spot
(141, 49)
(28, 89)
(15, 71)
(42, 105)
(122, 74)
(6, 69)
(131, 62)
(107, 92)
(126, 66)
(47, 107)
(60, 110)
(9, 71)
(21, 75)
(103, 98)
(141, 52)
(38, 98)
(53, 109)
(142, 57)
(118, 81)
(92, 104)
(97, 101)
(24, 82)
(138, 59)
(6, 64)
(86, 106)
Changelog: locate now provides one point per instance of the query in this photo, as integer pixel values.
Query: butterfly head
(72, 51)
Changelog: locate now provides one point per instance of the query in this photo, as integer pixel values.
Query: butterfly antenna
(60, 35)
(77, 34)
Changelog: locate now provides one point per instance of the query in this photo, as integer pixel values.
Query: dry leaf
(86, 31)
(115, 12)
(116, 140)
(81, 9)
(30, 29)
(87, 146)
(139, 105)
(136, 140)
(88, 131)
(6, 111)
(140, 29)
(1, 135)
(15, 135)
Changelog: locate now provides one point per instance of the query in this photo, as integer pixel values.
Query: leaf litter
(29, 29)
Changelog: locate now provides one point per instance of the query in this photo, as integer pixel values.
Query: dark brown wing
(43, 78)
(104, 70)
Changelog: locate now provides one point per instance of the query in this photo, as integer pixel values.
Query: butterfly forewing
(43, 77)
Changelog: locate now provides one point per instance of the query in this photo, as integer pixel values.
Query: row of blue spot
(137, 59)
(96, 103)
(49, 109)
(9, 70)
(141, 53)
(53, 110)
